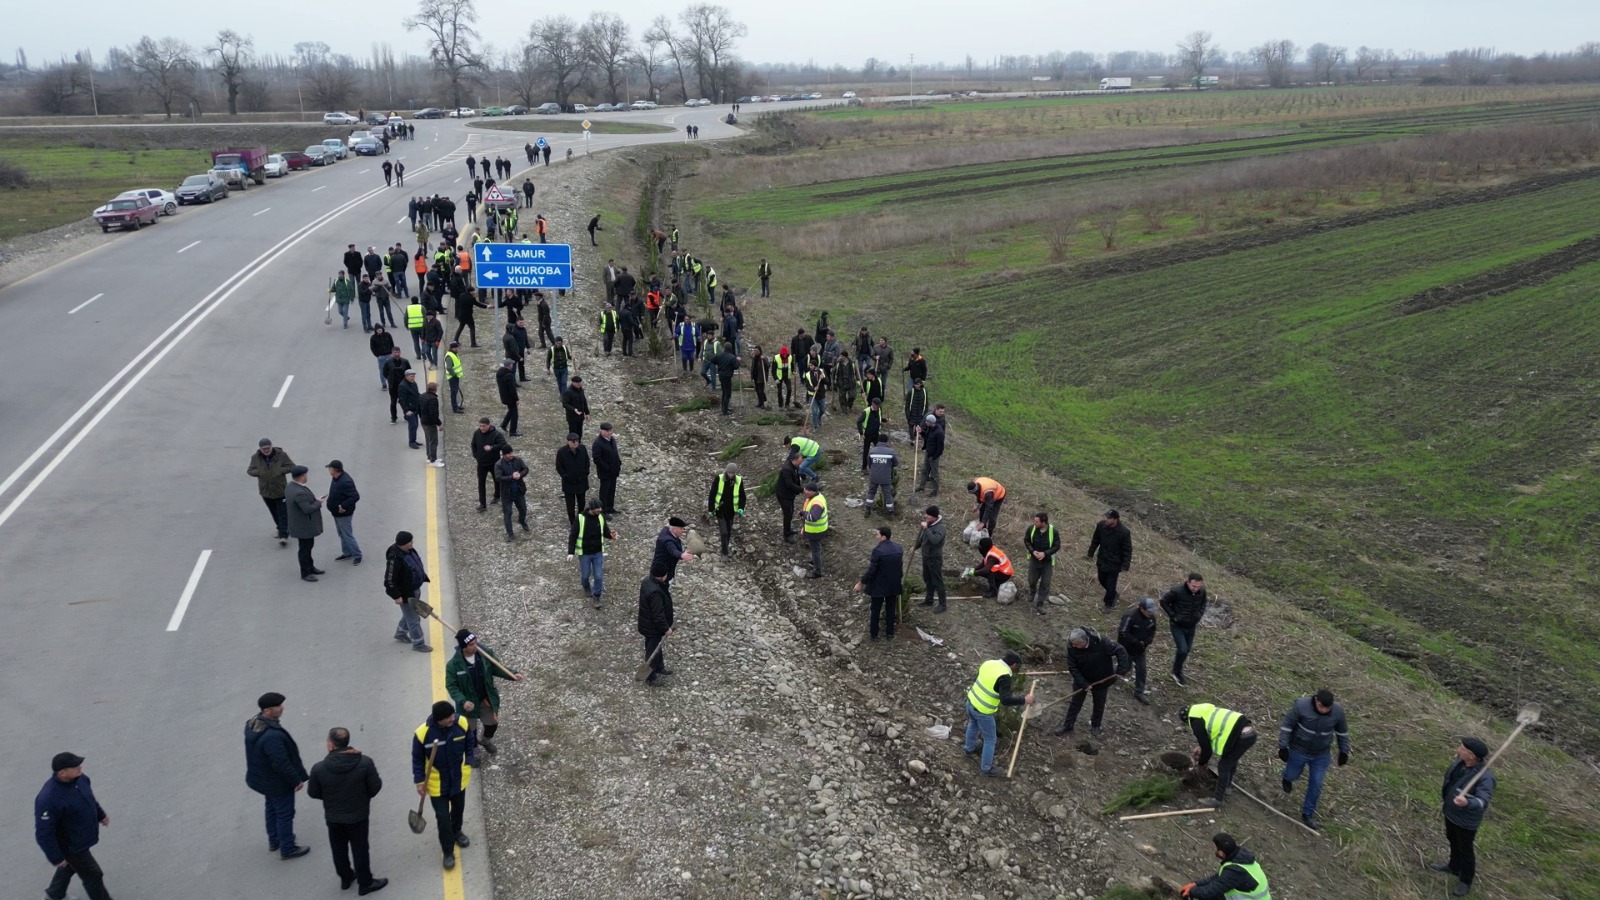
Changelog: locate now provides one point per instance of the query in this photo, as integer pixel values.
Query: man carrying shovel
(469, 679)
(403, 578)
(655, 619)
(443, 750)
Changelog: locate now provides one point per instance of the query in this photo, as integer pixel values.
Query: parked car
(495, 111)
(127, 212)
(604, 107)
(377, 118)
(395, 120)
(357, 137)
(579, 108)
(848, 95)
(516, 109)
(642, 104)
(296, 160)
(165, 201)
(277, 166)
(369, 147)
(320, 155)
(339, 118)
(431, 112)
(853, 101)
(203, 188)
(337, 148)
(463, 112)
(549, 109)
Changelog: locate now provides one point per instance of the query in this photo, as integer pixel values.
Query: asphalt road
(149, 368)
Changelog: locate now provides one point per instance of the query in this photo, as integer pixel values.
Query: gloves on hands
(1184, 891)
(1343, 757)
(1283, 753)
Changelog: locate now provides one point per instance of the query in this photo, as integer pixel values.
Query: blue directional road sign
(522, 266)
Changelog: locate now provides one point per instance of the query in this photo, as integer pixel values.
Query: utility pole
(911, 69)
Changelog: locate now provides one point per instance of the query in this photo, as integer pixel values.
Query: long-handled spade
(1021, 729)
(1528, 715)
(425, 610)
(414, 816)
(643, 671)
(1037, 710)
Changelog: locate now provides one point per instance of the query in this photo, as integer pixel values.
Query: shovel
(414, 817)
(1037, 710)
(424, 609)
(1021, 729)
(643, 671)
(1529, 715)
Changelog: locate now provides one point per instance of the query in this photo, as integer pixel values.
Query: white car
(462, 112)
(166, 201)
(642, 104)
(396, 119)
(357, 137)
(579, 108)
(276, 166)
(339, 118)
(848, 95)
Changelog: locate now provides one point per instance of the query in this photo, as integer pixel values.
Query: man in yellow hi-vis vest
(1221, 732)
(1239, 877)
(990, 691)
(443, 752)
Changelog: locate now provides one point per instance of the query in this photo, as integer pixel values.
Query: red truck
(241, 165)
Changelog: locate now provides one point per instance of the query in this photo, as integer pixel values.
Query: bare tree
(1276, 57)
(164, 70)
(525, 76)
(1465, 65)
(1391, 65)
(53, 88)
(712, 34)
(1367, 60)
(660, 31)
(558, 54)
(608, 48)
(1059, 230)
(331, 82)
(1196, 52)
(451, 34)
(650, 61)
(1323, 59)
(1107, 219)
(233, 54)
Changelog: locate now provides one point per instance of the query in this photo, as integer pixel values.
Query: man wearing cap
(558, 360)
(990, 691)
(669, 548)
(1111, 548)
(443, 752)
(988, 496)
(1185, 606)
(916, 405)
(305, 519)
(607, 460)
(273, 770)
(1043, 544)
(814, 522)
(452, 374)
(932, 434)
(572, 465)
(346, 781)
(1223, 733)
(66, 824)
(486, 441)
(1238, 875)
(403, 578)
(1092, 661)
(269, 465)
(511, 480)
(883, 582)
(587, 541)
(655, 617)
(428, 415)
(576, 404)
(725, 501)
(469, 679)
(1305, 741)
(505, 381)
(342, 499)
(930, 540)
(1463, 814)
(1136, 632)
(791, 482)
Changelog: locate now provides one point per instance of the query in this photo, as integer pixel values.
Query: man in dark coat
(931, 542)
(669, 548)
(443, 753)
(394, 374)
(882, 582)
(485, 443)
(607, 459)
(269, 465)
(512, 348)
(655, 619)
(305, 520)
(1136, 632)
(511, 475)
(505, 381)
(1239, 875)
(346, 781)
(572, 465)
(1042, 543)
(273, 770)
(1463, 812)
(727, 364)
(1185, 606)
(403, 578)
(932, 436)
(726, 501)
(1093, 661)
(1111, 548)
(411, 407)
(576, 404)
(428, 415)
(791, 483)
(465, 305)
(341, 503)
(382, 345)
(66, 825)
(352, 262)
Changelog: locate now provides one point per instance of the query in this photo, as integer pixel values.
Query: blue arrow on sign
(487, 255)
(539, 142)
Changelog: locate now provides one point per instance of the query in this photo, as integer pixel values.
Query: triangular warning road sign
(492, 194)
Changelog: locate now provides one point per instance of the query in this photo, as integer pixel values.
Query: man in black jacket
(932, 434)
(725, 501)
(1136, 632)
(485, 445)
(428, 415)
(1093, 662)
(403, 578)
(655, 619)
(1111, 548)
(505, 381)
(341, 504)
(411, 406)
(511, 474)
(576, 404)
(1042, 544)
(546, 322)
(381, 344)
(883, 582)
(346, 781)
(572, 465)
(790, 485)
(727, 363)
(607, 459)
(352, 262)
(930, 541)
(273, 770)
(1239, 875)
(1185, 606)
(799, 349)
(394, 374)
(512, 348)
(66, 825)
(669, 548)
(465, 306)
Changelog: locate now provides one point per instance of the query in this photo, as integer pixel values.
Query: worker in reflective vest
(608, 327)
(990, 691)
(809, 451)
(1043, 544)
(452, 373)
(1223, 733)
(674, 237)
(726, 500)
(988, 495)
(783, 374)
(815, 516)
(416, 318)
(995, 569)
(1239, 876)
(443, 752)
(588, 541)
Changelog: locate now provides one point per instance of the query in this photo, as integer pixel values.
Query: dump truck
(240, 165)
(1115, 84)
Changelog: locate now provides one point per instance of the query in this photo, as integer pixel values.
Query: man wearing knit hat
(403, 578)
(469, 679)
(273, 770)
(443, 752)
(1463, 814)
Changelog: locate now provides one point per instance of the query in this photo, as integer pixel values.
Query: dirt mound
(1505, 279)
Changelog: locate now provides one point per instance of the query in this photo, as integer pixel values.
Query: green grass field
(67, 183)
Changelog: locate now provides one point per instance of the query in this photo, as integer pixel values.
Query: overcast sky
(848, 31)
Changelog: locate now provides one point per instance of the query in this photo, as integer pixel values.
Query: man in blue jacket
(273, 770)
(882, 582)
(1464, 813)
(66, 823)
(341, 503)
(1305, 741)
(443, 751)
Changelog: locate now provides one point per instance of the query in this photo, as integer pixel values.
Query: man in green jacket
(270, 466)
(469, 679)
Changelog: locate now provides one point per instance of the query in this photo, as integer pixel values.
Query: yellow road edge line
(453, 889)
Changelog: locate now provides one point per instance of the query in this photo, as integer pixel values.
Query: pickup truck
(239, 166)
